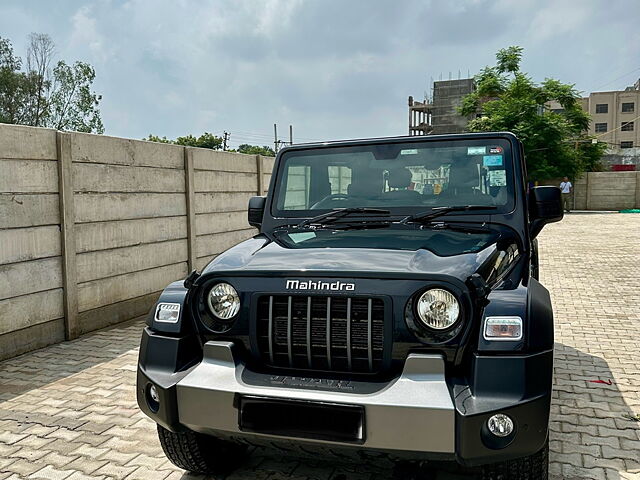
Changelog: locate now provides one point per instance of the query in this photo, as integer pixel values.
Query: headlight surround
(223, 301)
(438, 309)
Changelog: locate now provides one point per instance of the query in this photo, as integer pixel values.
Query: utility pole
(226, 137)
(276, 142)
(275, 137)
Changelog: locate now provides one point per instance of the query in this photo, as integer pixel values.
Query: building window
(626, 144)
(601, 127)
(627, 107)
(626, 126)
(558, 110)
(602, 108)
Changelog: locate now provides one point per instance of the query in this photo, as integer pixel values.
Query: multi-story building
(615, 120)
(615, 117)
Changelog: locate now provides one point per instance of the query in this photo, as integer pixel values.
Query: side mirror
(545, 206)
(256, 211)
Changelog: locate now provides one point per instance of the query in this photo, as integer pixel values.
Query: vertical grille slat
(328, 342)
(309, 357)
(289, 333)
(324, 333)
(271, 329)
(369, 335)
(349, 365)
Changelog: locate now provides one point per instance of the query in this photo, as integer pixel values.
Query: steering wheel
(328, 199)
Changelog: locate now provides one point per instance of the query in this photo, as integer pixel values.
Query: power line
(616, 79)
(262, 135)
(617, 128)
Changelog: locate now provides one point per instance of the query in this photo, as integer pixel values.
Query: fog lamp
(153, 393)
(500, 425)
(153, 398)
(223, 301)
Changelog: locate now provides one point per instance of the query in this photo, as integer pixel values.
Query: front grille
(344, 334)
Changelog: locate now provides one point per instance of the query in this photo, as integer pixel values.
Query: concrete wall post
(67, 237)
(260, 173)
(588, 192)
(190, 194)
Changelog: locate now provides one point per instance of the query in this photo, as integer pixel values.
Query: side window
(297, 190)
(340, 179)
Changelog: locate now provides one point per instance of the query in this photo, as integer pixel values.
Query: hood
(369, 254)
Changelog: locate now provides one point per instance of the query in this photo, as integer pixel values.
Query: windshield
(400, 177)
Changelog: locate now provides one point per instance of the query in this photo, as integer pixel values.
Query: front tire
(199, 453)
(533, 467)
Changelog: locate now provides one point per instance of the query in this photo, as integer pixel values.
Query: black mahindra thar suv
(389, 305)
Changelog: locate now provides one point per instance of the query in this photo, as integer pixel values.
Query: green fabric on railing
(630, 210)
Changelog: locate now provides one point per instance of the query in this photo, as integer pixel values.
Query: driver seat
(400, 179)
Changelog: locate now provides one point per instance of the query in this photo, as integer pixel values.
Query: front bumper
(417, 413)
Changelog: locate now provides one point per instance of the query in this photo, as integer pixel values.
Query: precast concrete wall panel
(31, 295)
(130, 225)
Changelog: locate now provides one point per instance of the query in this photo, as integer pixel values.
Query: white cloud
(334, 69)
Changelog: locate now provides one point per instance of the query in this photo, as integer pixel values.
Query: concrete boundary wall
(92, 228)
(607, 191)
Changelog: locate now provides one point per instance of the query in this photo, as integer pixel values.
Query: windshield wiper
(439, 211)
(333, 215)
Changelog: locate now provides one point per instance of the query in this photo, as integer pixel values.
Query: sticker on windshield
(409, 151)
(492, 161)
(476, 150)
(301, 236)
(497, 178)
(495, 150)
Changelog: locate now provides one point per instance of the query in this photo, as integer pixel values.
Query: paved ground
(69, 411)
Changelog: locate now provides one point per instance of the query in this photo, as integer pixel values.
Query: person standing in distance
(566, 187)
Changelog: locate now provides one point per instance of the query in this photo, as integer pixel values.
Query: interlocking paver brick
(23, 467)
(79, 396)
(144, 473)
(51, 473)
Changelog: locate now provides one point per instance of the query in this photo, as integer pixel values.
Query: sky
(332, 69)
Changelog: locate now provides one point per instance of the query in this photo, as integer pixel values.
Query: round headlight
(223, 301)
(438, 309)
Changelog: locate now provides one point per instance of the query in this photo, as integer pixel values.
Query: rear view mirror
(545, 206)
(256, 211)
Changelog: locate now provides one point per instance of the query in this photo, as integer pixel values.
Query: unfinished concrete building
(440, 115)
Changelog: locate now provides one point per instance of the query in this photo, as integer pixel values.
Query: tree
(39, 57)
(256, 150)
(41, 97)
(14, 86)
(206, 140)
(555, 142)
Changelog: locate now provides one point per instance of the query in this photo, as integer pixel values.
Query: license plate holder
(335, 422)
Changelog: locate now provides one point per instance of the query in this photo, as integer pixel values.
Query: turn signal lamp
(503, 328)
(167, 312)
